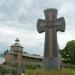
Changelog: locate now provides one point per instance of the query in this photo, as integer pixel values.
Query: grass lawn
(51, 72)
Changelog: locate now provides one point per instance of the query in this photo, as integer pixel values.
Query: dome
(17, 40)
(16, 44)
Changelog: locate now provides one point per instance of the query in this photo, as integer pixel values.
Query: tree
(6, 52)
(68, 53)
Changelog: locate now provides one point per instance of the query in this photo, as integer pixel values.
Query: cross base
(51, 63)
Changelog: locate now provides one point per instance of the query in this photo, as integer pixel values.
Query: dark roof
(16, 45)
(32, 55)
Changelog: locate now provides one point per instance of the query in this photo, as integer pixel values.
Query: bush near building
(32, 66)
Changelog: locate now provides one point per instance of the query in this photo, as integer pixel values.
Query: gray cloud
(18, 18)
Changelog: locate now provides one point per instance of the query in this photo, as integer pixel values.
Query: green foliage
(1, 69)
(14, 72)
(6, 71)
(6, 52)
(68, 53)
(14, 65)
(32, 66)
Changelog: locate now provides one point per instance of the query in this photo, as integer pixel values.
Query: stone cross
(50, 26)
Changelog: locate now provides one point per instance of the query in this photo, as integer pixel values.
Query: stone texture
(50, 25)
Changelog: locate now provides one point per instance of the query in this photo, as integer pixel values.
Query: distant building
(16, 55)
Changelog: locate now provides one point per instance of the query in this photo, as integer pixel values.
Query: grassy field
(51, 72)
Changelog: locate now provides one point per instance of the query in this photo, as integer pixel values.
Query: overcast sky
(18, 18)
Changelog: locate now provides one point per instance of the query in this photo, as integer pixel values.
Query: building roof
(32, 55)
(16, 44)
(17, 40)
(27, 55)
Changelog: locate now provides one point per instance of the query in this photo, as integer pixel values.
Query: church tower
(14, 56)
(18, 49)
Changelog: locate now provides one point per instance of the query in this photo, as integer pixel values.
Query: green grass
(33, 71)
(51, 72)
